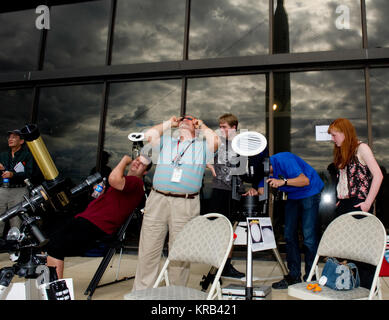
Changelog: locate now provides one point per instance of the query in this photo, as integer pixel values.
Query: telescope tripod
(249, 262)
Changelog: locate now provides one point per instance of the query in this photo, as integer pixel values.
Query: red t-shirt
(111, 209)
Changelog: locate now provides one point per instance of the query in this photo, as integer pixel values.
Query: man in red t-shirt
(103, 216)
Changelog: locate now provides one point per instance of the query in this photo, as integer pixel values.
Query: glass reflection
(318, 98)
(15, 112)
(135, 107)
(379, 80)
(77, 35)
(148, 31)
(377, 29)
(322, 25)
(225, 28)
(19, 35)
(244, 96)
(68, 120)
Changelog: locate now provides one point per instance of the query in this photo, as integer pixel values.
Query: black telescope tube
(23, 206)
(89, 181)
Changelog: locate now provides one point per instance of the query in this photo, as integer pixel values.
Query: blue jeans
(307, 209)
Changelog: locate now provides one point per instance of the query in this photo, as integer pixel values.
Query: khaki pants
(162, 214)
(10, 197)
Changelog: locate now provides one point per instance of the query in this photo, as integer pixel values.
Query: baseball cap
(16, 131)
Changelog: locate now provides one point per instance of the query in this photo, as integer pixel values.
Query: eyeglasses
(187, 118)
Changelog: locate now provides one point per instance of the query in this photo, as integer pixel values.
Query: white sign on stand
(262, 234)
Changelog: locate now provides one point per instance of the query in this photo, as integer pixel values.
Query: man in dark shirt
(224, 162)
(16, 165)
(103, 216)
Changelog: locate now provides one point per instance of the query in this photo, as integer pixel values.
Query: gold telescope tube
(43, 158)
(39, 151)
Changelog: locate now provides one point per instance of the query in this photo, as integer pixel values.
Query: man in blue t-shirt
(292, 175)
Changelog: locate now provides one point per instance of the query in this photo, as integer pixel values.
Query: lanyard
(178, 157)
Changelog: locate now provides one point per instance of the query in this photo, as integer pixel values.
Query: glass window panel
(68, 120)
(319, 97)
(136, 107)
(19, 35)
(379, 84)
(377, 27)
(15, 112)
(78, 35)
(244, 96)
(319, 25)
(222, 28)
(148, 31)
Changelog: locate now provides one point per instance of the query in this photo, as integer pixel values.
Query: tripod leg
(208, 279)
(280, 262)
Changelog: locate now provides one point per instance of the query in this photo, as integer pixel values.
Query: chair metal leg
(99, 272)
(94, 284)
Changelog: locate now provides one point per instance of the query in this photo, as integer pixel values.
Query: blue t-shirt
(290, 166)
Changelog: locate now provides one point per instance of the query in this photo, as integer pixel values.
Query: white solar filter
(249, 143)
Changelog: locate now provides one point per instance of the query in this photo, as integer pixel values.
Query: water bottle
(99, 188)
(6, 182)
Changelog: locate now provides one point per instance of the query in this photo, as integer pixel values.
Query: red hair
(344, 153)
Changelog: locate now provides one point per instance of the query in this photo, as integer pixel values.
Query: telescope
(55, 194)
(56, 191)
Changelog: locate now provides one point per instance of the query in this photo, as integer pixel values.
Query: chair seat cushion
(299, 290)
(166, 293)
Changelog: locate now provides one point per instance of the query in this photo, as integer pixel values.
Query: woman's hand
(365, 207)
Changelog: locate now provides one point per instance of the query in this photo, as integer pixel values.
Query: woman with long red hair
(359, 179)
(359, 175)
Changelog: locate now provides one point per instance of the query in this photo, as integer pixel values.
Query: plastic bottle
(6, 182)
(99, 188)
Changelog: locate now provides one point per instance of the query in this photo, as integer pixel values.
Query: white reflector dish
(249, 143)
(136, 136)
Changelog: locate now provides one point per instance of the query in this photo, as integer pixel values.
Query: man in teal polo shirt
(174, 199)
(16, 165)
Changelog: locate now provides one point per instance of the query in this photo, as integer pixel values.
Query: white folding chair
(347, 237)
(202, 240)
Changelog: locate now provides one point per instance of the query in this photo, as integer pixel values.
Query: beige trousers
(162, 214)
(10, 197)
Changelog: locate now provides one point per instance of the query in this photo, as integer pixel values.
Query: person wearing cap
(174, 198)
(16, 165)
(103, 216)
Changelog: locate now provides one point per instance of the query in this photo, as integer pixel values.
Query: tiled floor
(82, 269)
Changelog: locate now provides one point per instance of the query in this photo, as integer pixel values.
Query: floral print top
(354, 180)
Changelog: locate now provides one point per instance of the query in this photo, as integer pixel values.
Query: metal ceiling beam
(289, 62)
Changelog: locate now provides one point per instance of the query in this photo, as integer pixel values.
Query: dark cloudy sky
(151, 31)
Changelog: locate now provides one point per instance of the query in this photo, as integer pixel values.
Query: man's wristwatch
(286, 181)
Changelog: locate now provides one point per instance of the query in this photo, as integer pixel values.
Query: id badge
(177, 175)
